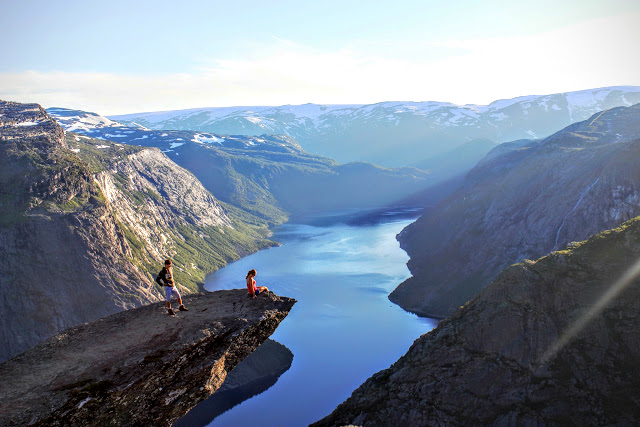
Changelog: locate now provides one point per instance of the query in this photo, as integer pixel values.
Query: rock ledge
(140, 366)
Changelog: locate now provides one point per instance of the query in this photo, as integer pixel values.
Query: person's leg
(167, 296)
(181, 307)
(167, 291)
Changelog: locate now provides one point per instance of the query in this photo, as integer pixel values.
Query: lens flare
(615, 289)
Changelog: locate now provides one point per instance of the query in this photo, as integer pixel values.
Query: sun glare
(621, 284)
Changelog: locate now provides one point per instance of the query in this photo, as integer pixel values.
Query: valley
(439, 203)
(88, 189)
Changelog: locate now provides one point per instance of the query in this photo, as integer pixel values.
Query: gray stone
(140, 366)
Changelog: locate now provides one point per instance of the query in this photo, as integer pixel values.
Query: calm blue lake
(343, 328)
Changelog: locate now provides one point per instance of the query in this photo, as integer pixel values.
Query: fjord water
(343, 328)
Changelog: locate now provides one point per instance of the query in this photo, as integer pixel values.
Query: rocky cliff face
(524, 199)
(65, 260)
(164, 211)
(85, 224)
(550, 342)
(138, 367)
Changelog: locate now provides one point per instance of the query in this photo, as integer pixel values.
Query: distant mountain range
(395, 133)
(269, 176)
(523, 200)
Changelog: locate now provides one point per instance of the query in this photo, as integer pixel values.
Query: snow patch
(75, 150)
(27, 124)
(207, 138)
(176, 144)
(255, 120)
(102, 146)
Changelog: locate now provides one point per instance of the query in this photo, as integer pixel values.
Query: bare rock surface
(140, 366)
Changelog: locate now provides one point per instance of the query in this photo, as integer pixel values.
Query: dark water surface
(343, 328)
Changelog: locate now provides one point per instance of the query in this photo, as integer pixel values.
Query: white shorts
(168, 290)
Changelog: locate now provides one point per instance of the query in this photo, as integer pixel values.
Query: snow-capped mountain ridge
(314, 111)
(395, 133)
(75, 120)
(100, 127)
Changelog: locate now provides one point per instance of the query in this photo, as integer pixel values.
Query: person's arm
(160, 279)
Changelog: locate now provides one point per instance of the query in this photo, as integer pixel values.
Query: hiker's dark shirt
(164, 278)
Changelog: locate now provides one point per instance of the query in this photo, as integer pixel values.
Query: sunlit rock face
(535, 347)
(85, 225)
(140, 366)
(523, 200)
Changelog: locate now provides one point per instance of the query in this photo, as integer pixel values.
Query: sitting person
(251, 284)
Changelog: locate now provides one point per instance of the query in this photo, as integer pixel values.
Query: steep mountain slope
(550, 342)
(269, 176)
(523, 200)
(396, 133)
(164, 211)
(79, 230)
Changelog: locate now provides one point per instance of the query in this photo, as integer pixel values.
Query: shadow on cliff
(254, 375)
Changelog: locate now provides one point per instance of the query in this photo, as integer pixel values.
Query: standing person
(165, 278)
(251, 284)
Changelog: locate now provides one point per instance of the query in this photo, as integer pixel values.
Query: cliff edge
(140, 366)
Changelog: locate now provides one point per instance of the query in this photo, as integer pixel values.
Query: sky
(116, 57)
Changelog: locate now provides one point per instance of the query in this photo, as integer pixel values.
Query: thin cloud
(586, 55)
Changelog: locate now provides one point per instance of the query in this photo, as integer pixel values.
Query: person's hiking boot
(171, 312)
(183, 308)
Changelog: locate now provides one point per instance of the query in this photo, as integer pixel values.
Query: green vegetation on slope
(196, 250)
